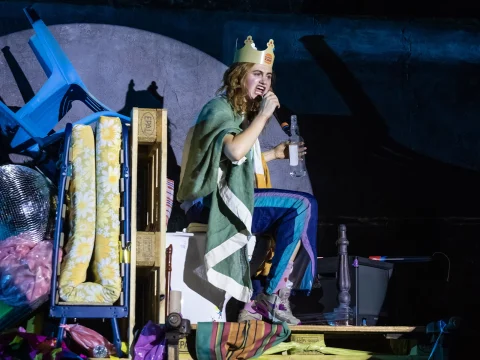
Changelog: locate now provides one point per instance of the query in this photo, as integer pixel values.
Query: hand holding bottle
(281, 151)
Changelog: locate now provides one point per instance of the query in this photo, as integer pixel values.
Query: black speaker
(369, 283)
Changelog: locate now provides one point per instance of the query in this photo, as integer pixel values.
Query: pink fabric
(25, 269)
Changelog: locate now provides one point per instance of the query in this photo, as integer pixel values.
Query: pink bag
(25, 269)
(88, 339)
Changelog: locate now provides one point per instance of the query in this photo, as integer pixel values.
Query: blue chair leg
(116, 337)
(61, 330)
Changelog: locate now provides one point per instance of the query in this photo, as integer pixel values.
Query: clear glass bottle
(297, 161)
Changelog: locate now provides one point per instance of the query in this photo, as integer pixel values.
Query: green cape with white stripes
(205, 171)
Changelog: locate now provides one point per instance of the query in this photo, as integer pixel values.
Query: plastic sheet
(25, 269)
(27, 203)
(89, 339)
(19, 344)
(151, 343)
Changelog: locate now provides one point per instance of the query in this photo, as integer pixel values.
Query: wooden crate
(148, 231)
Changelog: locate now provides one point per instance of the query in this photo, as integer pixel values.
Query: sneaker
(285, 311)
(248, 313)
(276, 307)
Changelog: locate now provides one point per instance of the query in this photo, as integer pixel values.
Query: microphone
(284, 125)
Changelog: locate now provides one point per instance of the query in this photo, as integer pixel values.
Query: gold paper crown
(250, 54)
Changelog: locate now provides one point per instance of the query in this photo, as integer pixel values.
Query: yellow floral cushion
(94, 215)
(106, 265)
(81, 202)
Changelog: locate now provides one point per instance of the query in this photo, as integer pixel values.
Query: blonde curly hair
(235, 89)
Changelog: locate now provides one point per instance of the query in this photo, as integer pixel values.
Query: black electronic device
(177, 328)
(369, 283)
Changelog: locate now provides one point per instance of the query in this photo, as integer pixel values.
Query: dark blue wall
(390, 113)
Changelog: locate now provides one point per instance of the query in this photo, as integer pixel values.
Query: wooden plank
(147, 288)
(133, 224)
(162, 197)
(151, 193)
(356, 329)
(352, 329)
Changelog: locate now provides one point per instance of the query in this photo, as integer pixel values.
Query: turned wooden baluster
(343, 310)
(168, 278)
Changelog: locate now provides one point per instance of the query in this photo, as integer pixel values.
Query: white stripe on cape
(237, 241)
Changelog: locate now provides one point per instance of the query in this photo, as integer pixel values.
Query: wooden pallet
(148, 146)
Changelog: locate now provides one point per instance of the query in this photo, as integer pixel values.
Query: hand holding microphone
(283, 124)
(268, 104)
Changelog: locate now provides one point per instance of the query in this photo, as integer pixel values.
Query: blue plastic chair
(39, 116)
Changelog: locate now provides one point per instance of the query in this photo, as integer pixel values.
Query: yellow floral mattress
(94, 202)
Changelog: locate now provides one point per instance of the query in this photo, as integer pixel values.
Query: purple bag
(151, 343)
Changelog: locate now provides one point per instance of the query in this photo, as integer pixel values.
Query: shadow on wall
(8, 130)
(358, 170)
(22, 82)
(150, 98)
